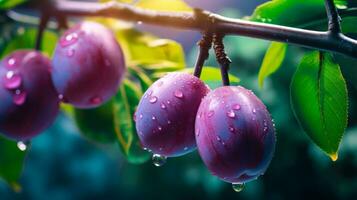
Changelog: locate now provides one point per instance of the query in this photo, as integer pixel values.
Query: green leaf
(144, 80)
(26, 39)
(273, 59)
(164, 5)
(212, 76)
(125, 103)
(11, 162)
(97, 124)
(319, 100)
(295, 13)
(7, 4)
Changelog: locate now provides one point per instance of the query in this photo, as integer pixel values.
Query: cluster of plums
(230, 126)
(86, 70)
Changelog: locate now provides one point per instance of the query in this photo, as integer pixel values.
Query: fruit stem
(205, 44)
(45, 17)
(222, 57)
(334, 19)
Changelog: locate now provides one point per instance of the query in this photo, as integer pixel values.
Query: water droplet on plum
(178, 94)
(153, 99)
(12, 80)
(238, 187)
(231, 114)
(19, 97)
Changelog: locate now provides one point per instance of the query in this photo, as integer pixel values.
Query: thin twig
(41, 28)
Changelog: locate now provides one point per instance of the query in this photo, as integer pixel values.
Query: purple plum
(88, 65)
(28, 100)
(235, 134)
(165, 117)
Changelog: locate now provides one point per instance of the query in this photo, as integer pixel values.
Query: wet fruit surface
(88, 65)
(28, 100)
(235, 134)
(166, 114)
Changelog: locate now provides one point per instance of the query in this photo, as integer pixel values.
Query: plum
(28, 100)
(165, 117)
(88, 65)
(235, 134)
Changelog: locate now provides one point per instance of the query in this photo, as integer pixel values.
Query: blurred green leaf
(125, 104)
(212, 76)
(11, 162)
(144, 80)
(348, 68)
(164, 5)
(7, 4)
(292, 12)
(273, 59)
(319, 100)
(26, 39)
(97, 124)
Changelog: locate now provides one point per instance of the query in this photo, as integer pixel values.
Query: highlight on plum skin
(28, 100)
(165, 117)
(88, 65)
(235, 134)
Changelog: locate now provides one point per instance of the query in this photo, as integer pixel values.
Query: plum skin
(165, 117)
(235, 134)
(24, 119)
(88, 65)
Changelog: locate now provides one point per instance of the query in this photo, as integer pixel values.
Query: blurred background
(61, 164)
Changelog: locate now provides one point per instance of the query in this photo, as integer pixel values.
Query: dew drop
(158, 160)
(163, 106)
(210, 113)
(265, 129)
(69, 39)
(238, 187)
(168, 102)
(254, 111)
(231, 114)
(159, 128)
(96, 100)
(141, 116)
(11, 63)
(168, 122)
(139, 22)
(236, 107)
(231, 129)
(22, 145)
(19, 98)
(12, 80)
(185, 149)
(153, 118)
(160, 83)
(70, 52)
(197, 132)
(178, 94)
(153, 99)
(134, 116)
(219, 139)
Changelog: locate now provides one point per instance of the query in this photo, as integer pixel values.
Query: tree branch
(205, 21)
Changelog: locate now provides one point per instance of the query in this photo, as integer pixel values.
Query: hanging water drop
(22, 146)
(70, 52)
(238, 187)
(163, 106)
(69, 39)
(158, 160)
(11, 63)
